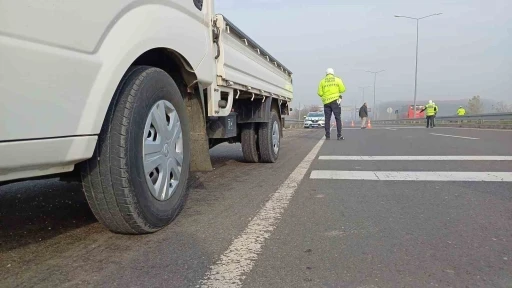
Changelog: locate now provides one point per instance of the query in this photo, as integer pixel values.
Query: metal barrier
(494, 120)
(292, 123)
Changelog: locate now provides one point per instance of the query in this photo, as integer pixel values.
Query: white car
(314, 119)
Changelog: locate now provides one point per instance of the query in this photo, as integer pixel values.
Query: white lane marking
(455, 136)
(412, 176)
(398, 127)
(418, 158)
(392, 129)
(442, 127)
(232, 267)
(486, 129)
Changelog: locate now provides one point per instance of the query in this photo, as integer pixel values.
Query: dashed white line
(418, 158)
(455, 136)
(233, 266)
(412, 176)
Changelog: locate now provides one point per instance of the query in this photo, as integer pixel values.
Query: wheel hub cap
(166, 150)
(275, 137)
(162, 150)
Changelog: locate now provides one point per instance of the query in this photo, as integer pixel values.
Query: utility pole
(374, 82)
(364, 87)
(417, 44)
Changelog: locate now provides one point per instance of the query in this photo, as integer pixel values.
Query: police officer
(436, 109)
(431, 111)
(461, 111)
(330, 89)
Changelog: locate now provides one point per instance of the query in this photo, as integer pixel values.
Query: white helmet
(329, 71)
(429, 101)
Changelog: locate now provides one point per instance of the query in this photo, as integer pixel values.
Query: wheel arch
(180, 70)
(158, 41)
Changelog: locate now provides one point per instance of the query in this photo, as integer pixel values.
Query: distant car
(314, 119)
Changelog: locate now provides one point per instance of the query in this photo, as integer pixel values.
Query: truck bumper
(24, 159)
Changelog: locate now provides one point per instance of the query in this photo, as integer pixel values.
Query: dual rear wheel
(261, 142)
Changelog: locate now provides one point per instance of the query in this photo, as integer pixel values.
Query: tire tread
(106, 181)
(265, 139)
(249, 141)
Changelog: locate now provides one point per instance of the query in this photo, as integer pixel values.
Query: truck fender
(132, 35)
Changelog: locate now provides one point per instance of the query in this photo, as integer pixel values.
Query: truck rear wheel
(269, 138)
(250, 147)
(135, 182)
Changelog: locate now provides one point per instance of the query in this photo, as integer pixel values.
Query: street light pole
(363, 87)
(417, 44)
(374, 82)
(416, 68)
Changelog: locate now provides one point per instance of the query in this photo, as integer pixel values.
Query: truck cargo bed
(246, 66)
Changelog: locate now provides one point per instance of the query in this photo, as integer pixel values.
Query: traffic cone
(352, 123)
(369, 123)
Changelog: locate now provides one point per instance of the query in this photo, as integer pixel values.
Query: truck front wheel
(135, 182)
(269, 138)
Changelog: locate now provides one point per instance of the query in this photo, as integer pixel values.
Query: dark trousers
(329, 109)
(430, 121)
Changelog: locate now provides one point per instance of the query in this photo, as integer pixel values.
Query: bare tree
(475, 105)
(502, 107)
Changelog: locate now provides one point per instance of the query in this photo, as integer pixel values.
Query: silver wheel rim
(162, 150)
(275, 137)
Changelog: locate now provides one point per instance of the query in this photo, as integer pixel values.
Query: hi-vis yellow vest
(431, 109)
(330, 88)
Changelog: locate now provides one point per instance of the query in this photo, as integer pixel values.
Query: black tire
(267, 153)
(114, 179)
(249, 141)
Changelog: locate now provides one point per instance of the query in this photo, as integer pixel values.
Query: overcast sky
(464, 52)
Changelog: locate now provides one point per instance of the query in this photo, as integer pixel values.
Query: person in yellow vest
(330, 90)
(431, 111)
(435, 114)
(461, 111)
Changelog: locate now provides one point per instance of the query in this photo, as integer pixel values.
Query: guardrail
(494, 120)
(293, 123)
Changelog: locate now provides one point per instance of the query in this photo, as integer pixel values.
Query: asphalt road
(257, 225)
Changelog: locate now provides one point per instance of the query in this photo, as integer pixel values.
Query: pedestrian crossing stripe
(418, 158)
(412, 176)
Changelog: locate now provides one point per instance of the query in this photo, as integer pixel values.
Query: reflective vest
(330, 88)
(431, 109)
(461, 112)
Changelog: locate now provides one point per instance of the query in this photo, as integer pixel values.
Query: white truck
(131, 95)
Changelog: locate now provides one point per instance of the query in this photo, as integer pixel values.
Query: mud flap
(199, 150)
